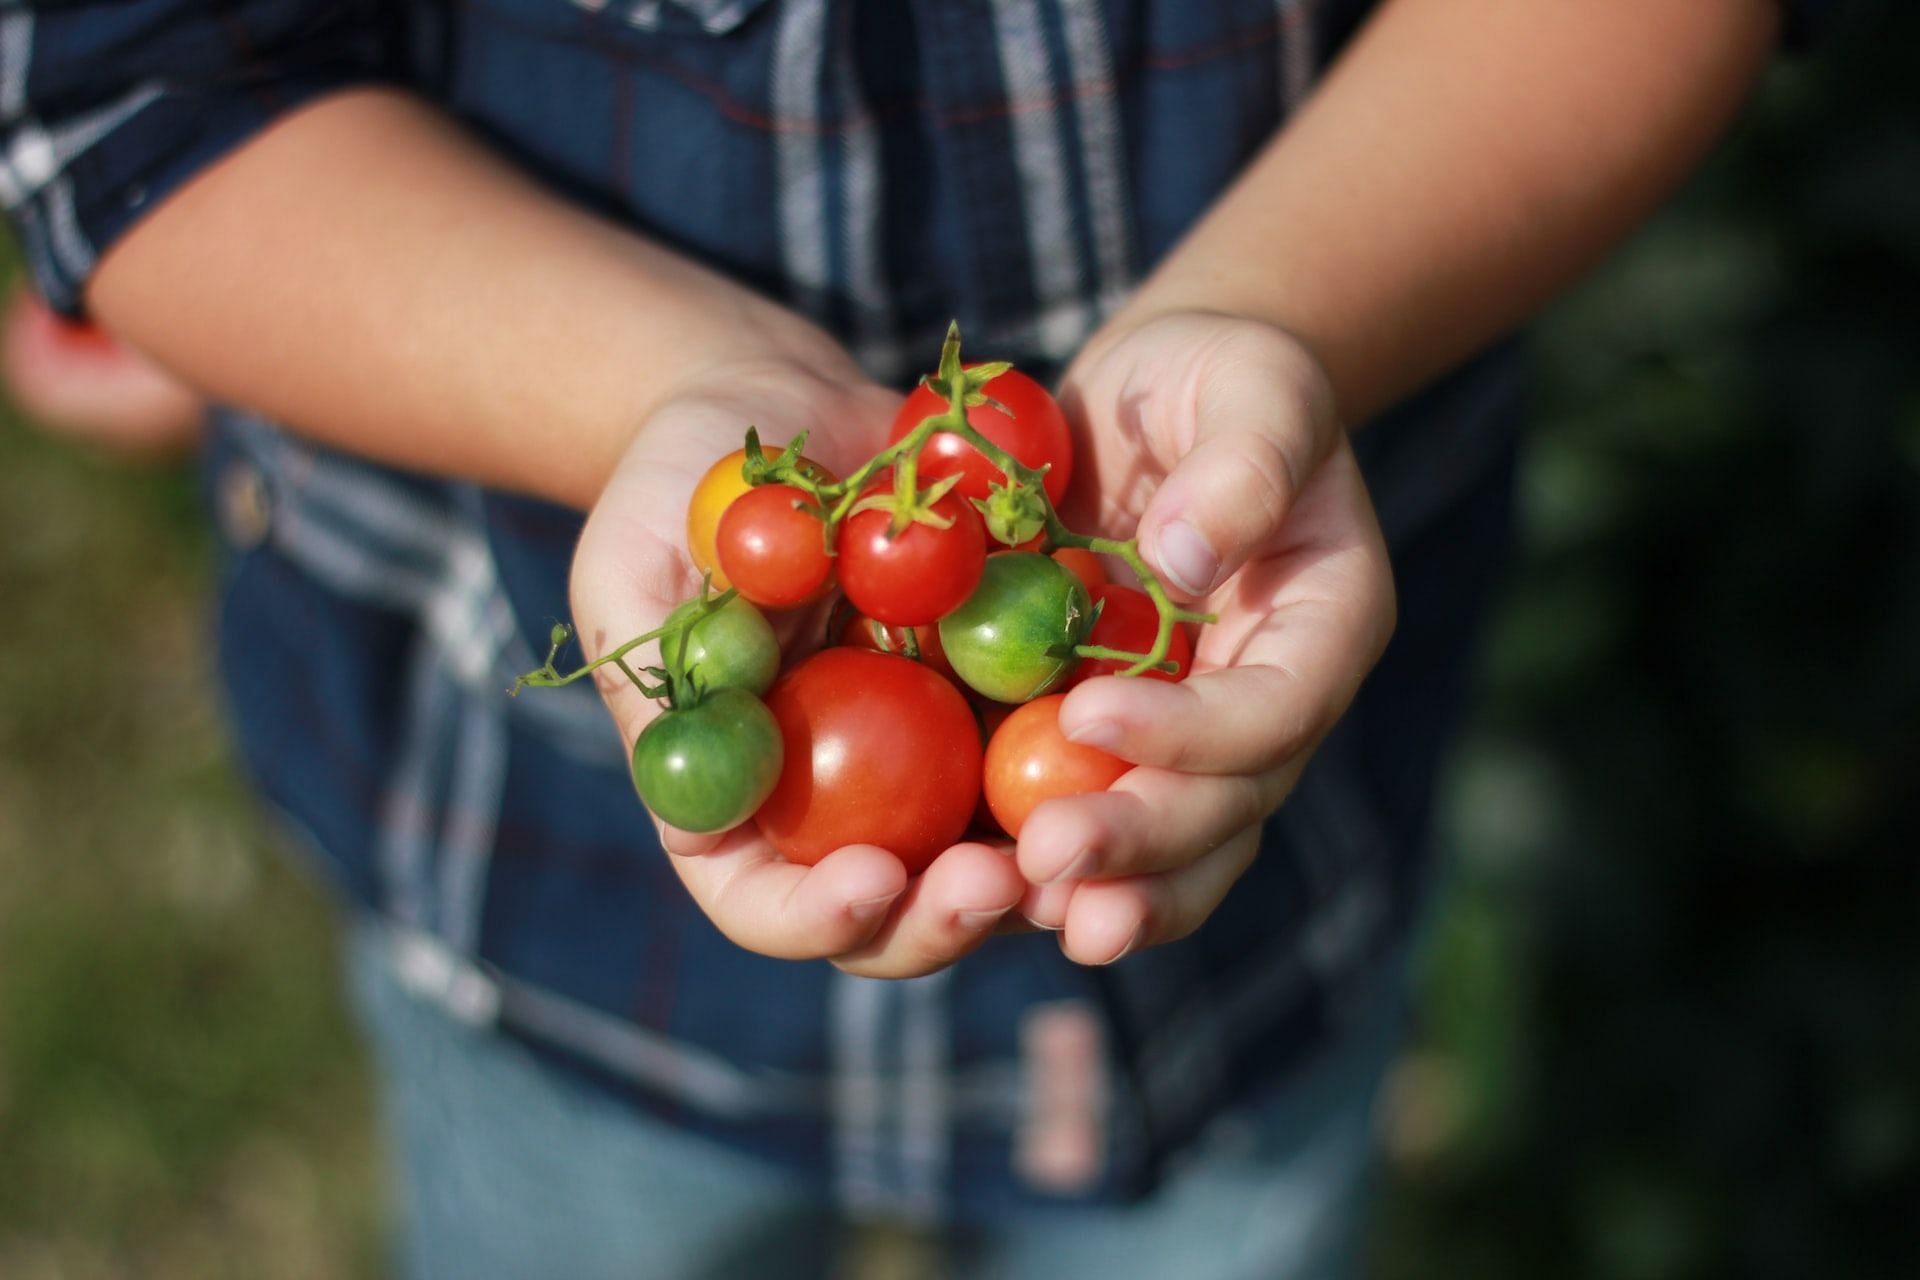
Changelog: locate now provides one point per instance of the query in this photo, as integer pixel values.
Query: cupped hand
(1216, 439)
(856, 906)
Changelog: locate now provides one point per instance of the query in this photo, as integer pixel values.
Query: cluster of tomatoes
(934, 707)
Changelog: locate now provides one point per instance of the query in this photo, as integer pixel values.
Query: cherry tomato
(773, 547)
(708, 767)
(1030, 760)
(1086, 566)
(731, 648)
(1013, 639)
(1036, 434)
(1129, 621)
(878, 751)
(715, 492)
(861, 632)
(917, 577)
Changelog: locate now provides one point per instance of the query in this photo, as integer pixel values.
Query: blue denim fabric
(509, 1168)
(1017, 164)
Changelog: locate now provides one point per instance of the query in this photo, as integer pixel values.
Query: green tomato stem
(1099, 652)
(677, 689)
(1059, 535)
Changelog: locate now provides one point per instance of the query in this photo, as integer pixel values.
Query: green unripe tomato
(708, 767)
(731, 648)
(1013, 639)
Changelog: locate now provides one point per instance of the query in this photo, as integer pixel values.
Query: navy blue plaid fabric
(1016, 164)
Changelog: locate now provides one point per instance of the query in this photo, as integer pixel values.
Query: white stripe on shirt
(1097, 104)
(799, 59)
(1053, 251)
(1296, 52)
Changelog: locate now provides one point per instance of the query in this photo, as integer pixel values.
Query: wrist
(744, 352)
(792, 382)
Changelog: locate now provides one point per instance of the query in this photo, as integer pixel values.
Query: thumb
(1260, 421)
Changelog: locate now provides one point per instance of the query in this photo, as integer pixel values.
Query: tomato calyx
(1015, 513)
(787, 467)
(969, 380)
(909, 504)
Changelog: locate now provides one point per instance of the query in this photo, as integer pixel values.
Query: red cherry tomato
(1086, 566)
(773, 547)
(861, 632)
(1030, 760)
(1036, 434)
(1129, 621)
(722, 483)
(877, 751)
(918, 576)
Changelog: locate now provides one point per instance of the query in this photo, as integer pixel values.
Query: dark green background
(1671, 1013)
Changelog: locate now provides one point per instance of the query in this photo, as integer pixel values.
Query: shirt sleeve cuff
(126, 158)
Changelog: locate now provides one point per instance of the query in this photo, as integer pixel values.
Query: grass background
(1671, 1015)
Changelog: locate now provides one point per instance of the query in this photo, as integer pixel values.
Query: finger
(1298, 630)
(1110, 919)
(1044, 906)
(791, 912)
(689, 843)
(1259, 419)
(954, 905)
(1151, 820)
(1230, 720)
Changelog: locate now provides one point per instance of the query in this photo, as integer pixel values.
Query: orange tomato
(1029, 760)
(715, 492)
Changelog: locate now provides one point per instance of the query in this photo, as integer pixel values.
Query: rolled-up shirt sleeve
(105, 108)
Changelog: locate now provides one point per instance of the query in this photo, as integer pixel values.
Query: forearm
(366, 273)
(1464, 161)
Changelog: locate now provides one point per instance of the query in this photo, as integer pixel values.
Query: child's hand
(855, 907)
(1218, 436)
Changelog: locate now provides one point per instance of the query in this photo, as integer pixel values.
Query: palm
(632, 568)
(1134, 446)
(1223, 426)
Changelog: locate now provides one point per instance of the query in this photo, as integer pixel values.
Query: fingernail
(1076, 868)
(1127, 950)
(872, 909)
(1042, 924)
(1104, 734)
(1186, 558)
(975, 921)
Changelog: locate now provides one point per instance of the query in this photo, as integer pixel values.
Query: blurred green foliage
(1672, 1012)
(1671, 1009)
(180, 1095)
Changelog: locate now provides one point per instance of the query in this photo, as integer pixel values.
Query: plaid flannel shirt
(884, 165)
